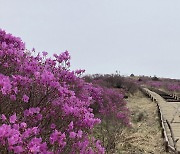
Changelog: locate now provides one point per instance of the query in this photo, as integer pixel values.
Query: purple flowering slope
(46, 108)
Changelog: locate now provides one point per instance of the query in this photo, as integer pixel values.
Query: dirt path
(145, 134)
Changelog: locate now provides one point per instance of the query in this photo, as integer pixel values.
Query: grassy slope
(145, 134)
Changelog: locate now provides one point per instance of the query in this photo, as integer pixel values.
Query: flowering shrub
(170, 85)
(112, 110)
(114, 81)
(46, 108)
(155, 84)
(109, 105)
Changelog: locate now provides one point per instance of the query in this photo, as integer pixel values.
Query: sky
(103, 36)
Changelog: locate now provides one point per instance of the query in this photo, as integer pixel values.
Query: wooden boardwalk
(169, 114)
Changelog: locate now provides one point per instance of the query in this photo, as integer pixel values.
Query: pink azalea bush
(109, 105)
(46, 108)
(173, 87)
(155, 84)
(168, 85)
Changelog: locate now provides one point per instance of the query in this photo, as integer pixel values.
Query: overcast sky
(102, 36)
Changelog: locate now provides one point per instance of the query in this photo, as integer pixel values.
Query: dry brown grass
(145, 134)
